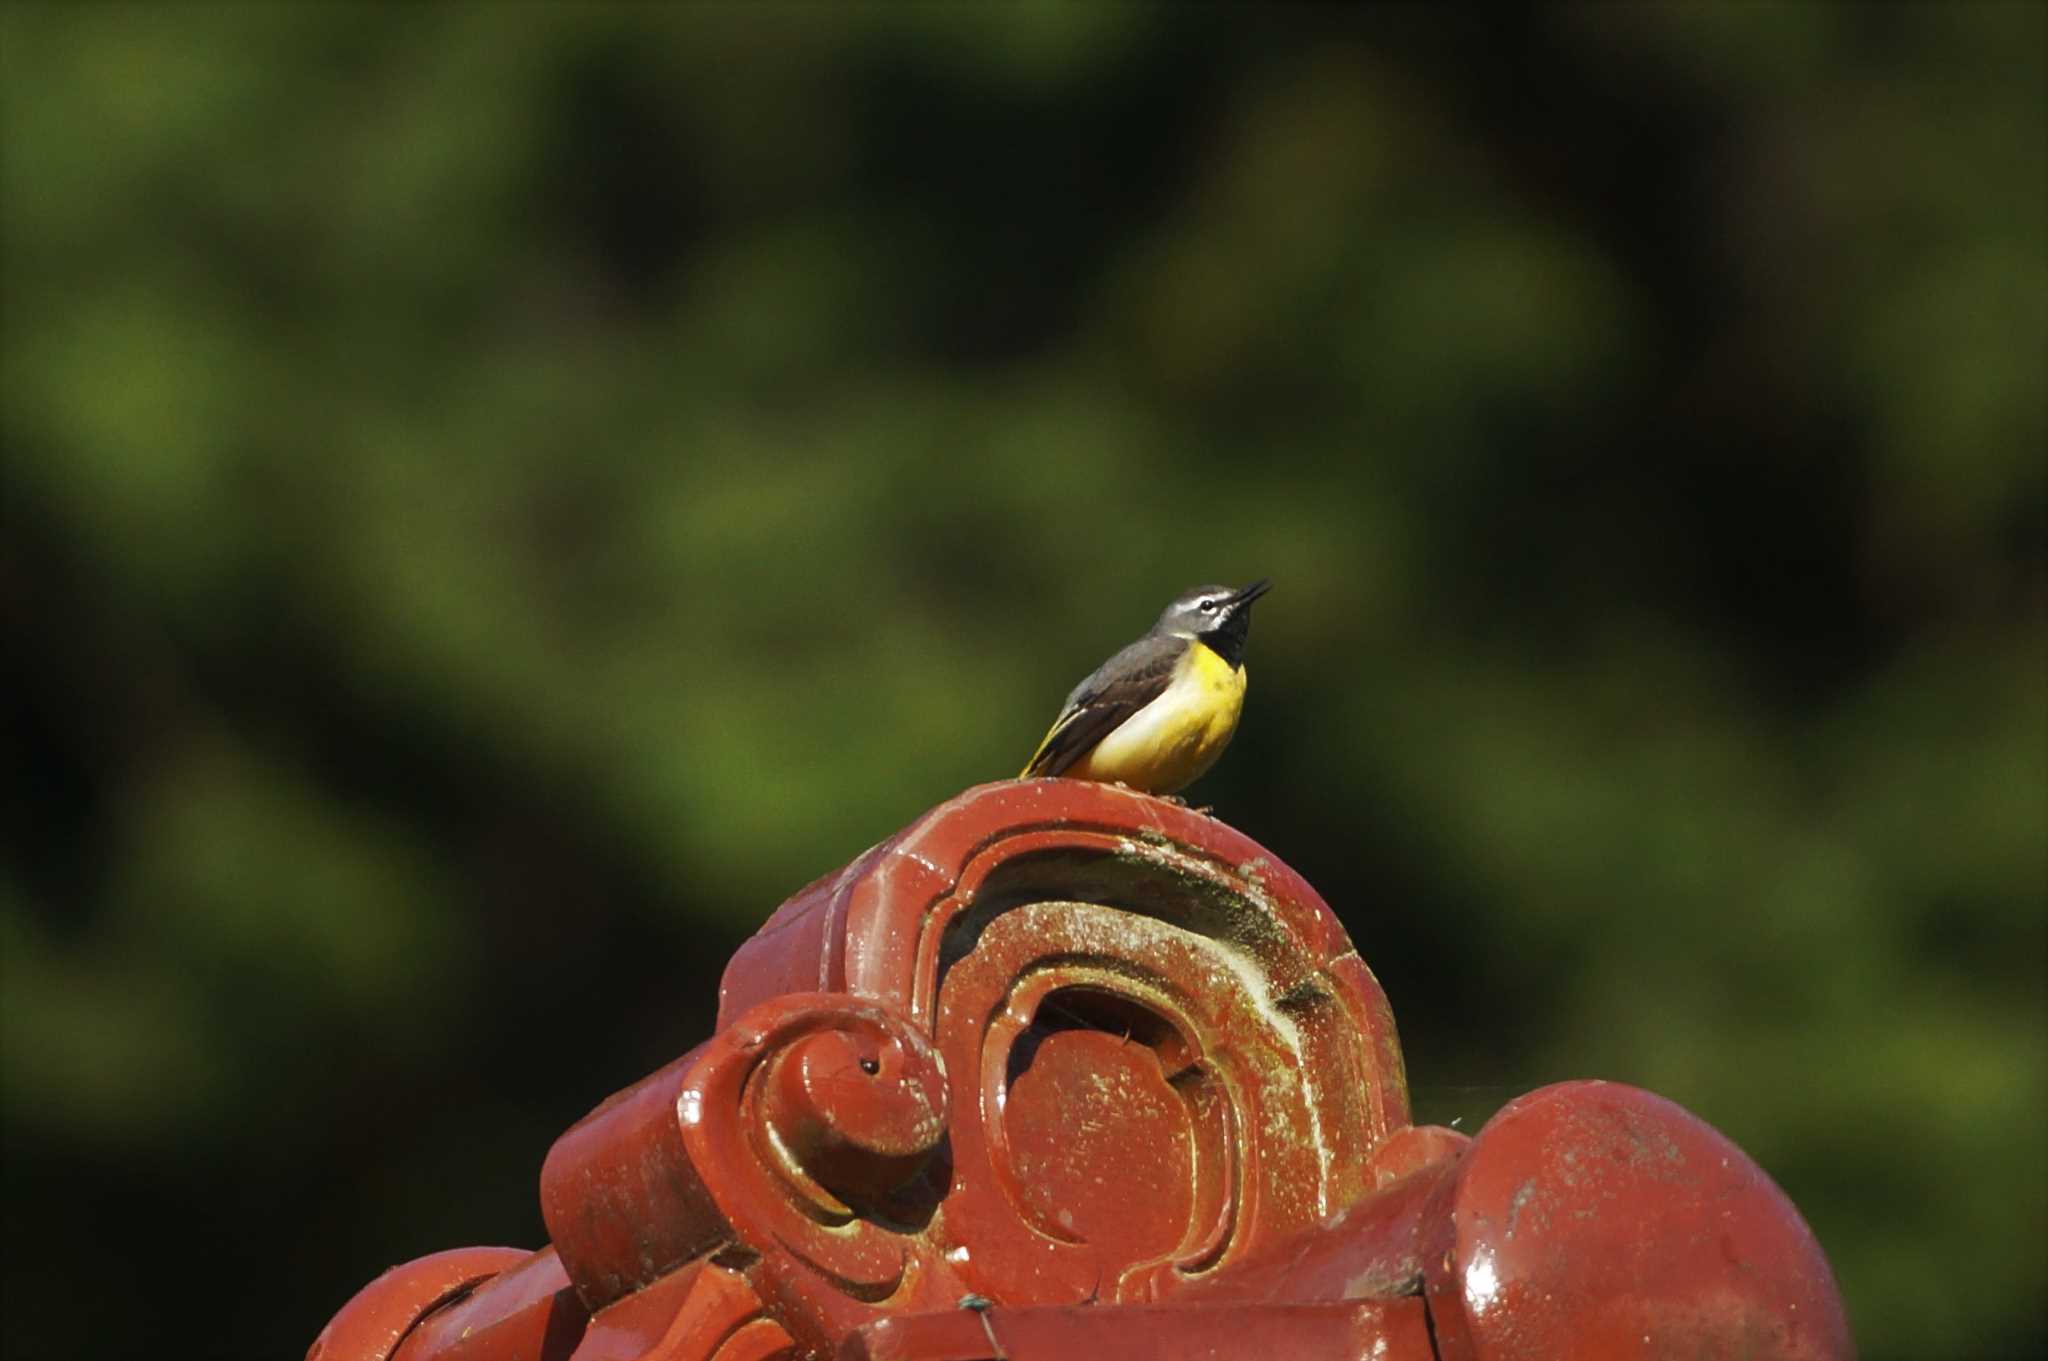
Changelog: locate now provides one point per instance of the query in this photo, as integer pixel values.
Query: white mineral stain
(1127, 937)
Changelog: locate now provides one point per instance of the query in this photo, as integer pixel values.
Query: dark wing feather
(1115, 690)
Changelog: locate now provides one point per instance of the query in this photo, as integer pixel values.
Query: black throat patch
(1227, 639)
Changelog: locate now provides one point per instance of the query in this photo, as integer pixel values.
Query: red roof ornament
(1066, 1071)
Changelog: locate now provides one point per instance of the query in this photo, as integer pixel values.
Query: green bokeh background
(494, 498)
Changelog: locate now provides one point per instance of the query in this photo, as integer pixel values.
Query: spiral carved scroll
(811, 1121)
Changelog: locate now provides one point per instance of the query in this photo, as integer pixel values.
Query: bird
(1155, 716)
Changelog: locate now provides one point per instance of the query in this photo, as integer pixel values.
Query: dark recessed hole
(1086, 1009)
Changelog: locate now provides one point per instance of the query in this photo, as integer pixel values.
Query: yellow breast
(1169, 743)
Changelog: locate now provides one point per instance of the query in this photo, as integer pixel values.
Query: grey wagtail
(1158, 714)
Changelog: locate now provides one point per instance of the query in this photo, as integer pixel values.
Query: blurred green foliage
(496, 497)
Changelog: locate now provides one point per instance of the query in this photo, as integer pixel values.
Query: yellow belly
(1168, 744)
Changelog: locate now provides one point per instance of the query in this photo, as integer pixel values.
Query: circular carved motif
(1102, 1147)
(1130, 1096)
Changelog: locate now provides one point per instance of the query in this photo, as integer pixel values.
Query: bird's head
(1220, 616)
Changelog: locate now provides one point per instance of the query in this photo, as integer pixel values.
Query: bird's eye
(1209, 606)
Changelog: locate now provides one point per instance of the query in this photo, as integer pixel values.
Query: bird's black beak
(1250, 593)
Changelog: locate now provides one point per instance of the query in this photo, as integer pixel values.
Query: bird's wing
(1117, 689)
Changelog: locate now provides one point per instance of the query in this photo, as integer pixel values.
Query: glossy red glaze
(528, 1311)
(699, 1312)
(1597, 1221)
(370, 1326)
(1391, 1330)
(1105, 1068)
